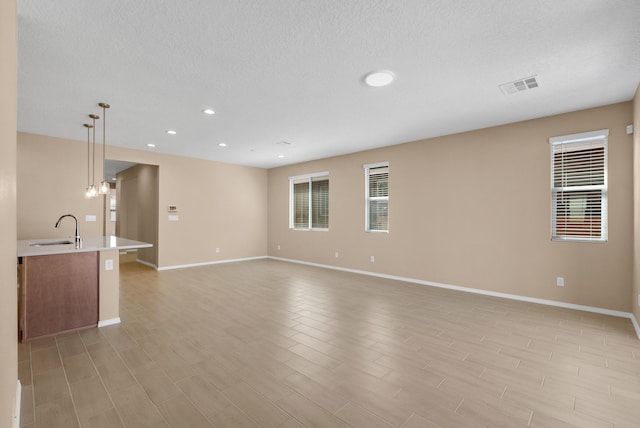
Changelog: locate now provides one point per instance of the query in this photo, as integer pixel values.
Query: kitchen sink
(46, 244)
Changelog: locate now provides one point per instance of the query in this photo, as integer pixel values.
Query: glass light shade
(92, 192)
(104, 188)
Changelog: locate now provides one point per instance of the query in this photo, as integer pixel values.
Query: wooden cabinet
(58, 292)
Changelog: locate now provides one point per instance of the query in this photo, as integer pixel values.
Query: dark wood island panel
(58, 292)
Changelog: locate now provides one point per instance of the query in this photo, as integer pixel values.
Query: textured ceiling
(291, 70)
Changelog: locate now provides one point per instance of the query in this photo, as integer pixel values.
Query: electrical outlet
(89, 217)
(217, 250)
(108, 264)
(373, 259)
(278, 247)
(560, 281)
(337, 254)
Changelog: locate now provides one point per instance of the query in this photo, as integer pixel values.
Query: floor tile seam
(619, 408)
(608, 421)
(93, 364)
(319, 352)
(115, 350)
(411, 416)
(33, 389)
(234, 404)
(501, 399)
(66, 378)
(334, 413)
(530, 418)
(534, 407)
(365, 409)
(306, 398)
(193, 404)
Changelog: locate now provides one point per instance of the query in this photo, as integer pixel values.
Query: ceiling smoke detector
(519, 85)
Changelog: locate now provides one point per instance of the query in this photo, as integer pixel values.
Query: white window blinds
(309, 201)
(377, 197)
(579, 186)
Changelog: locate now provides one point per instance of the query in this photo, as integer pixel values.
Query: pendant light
(104, 188)
(93, 190)
(87, 192)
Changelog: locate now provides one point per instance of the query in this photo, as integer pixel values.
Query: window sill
(595, 241)
(308, 230)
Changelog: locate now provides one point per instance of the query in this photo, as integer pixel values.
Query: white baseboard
(635, 324)
(18, 404)
(111, 321)
(210, 263)
(556, 303)
(142, 262)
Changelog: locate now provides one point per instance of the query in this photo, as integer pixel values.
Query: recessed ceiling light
(208, 111)
(222, 144)
(151, 145)
(171, 132)
(380, 78)
(280, 156)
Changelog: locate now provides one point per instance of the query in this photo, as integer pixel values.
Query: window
(579, 186)
(377, 197)
(309, 200)
(112, 207)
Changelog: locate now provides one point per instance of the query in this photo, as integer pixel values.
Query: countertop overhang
(91, 243)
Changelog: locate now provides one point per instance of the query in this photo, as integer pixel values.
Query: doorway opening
(131, 209)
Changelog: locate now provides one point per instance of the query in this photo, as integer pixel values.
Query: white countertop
(91, 243)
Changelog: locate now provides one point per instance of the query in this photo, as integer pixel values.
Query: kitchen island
(64, 288)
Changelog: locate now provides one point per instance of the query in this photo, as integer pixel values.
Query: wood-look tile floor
(275, 344)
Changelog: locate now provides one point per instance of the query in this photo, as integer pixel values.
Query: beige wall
(52, 176)
(8, 291)
(220, 205)
(109, 298)
(473, 210)
(635, 295)
(137, 208)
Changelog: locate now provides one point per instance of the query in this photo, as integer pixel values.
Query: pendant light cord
(88, 154)
(104, 142)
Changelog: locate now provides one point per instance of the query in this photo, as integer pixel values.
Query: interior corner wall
(219, 205)
(635, 295)
(137, 202)
(473, 210)
(8, 266)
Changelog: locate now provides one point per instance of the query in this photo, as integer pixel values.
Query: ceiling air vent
(519, 85)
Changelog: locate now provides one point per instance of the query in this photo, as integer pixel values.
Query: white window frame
(292, 180)
(600, 137)
(367, 198)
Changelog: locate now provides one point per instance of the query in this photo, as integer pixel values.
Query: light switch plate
(108, 264)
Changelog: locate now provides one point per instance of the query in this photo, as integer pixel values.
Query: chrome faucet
(78, 240)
